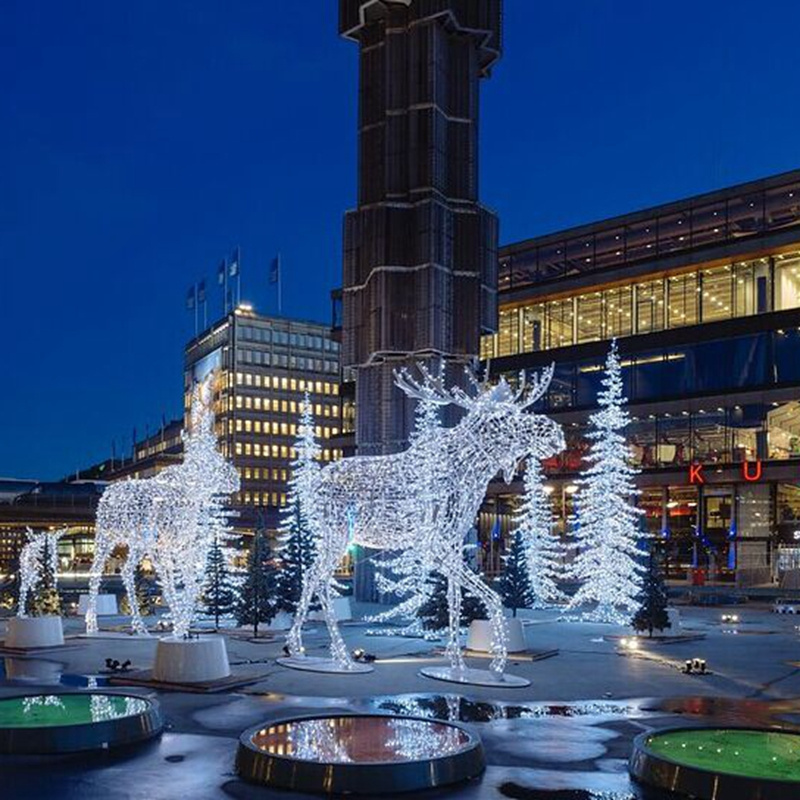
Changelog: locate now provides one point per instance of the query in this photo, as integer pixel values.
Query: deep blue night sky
(139, 142)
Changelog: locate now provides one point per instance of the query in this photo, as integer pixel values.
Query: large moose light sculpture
(425, 498)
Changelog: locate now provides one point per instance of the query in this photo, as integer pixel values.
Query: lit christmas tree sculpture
(608, 563)
(297, 544)
(172, 519)
(543, 551)
(38, 565)
(390, 503)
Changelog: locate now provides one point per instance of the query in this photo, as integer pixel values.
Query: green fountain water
(751, 754)
(48, 711)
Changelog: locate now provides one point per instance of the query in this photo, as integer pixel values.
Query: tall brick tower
(420, 252)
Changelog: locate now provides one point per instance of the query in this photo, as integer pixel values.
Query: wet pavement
(566, 737)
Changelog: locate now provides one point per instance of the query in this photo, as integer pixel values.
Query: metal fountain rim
(246, 737)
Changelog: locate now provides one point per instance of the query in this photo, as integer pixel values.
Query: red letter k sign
(695, 473)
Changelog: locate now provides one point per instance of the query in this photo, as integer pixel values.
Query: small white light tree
(608, 563)
(296, 542)
(543, 550)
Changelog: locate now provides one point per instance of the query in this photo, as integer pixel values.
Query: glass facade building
(703, 296)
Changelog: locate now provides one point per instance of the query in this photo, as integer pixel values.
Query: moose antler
(528, 395)
(431, 388)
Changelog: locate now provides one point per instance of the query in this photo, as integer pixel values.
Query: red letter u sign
(755, 474)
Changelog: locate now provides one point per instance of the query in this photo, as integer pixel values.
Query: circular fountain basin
(70, 722)
(359, 754)
(720, 763)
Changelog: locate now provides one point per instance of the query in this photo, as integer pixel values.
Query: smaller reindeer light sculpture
(171, 519)
(425, 498)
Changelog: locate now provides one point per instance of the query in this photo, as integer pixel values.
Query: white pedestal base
(317, 664)
(475, 677)
(31, 632)
(106, 605)
(479, 637)
(191, 660)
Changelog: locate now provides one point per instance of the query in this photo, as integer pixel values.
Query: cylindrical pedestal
(480, 636)
(191, 660)
(31, 632)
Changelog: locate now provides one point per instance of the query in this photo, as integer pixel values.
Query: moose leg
(103, 545)
(338, 647)
(294, 639)
(129, 580)
(494, 611)
(453, 650)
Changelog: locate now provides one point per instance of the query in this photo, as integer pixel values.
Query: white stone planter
(480, 636)
(106, 605)
(191, 660)
(30, 632)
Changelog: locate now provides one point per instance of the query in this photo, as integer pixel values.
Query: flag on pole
(201, 292)
(191, 298)
(234, 264)
(221, 272)
(275, 270)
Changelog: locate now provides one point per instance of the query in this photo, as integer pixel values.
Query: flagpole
(238, 275)
(196, 311)
(280, 293)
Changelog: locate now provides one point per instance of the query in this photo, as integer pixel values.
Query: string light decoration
(608, 563)
(38, 564)
(171, 519)
(409, 501)
(543, 551)
(405, 574)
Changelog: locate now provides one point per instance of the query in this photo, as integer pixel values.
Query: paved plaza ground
(565, 737)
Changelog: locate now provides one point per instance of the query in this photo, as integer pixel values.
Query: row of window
(721, 435)
(277, 451)
(261, 498)
(678, 231)
(271, 404)
(304, 340)
(286, 384)
(757, 361)
(258, 474)
(302, 363)
(280, 428)
(703, 295)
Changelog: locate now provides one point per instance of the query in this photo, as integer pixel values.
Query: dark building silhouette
(420, 252)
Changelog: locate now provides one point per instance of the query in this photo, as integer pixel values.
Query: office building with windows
(703, 296)
(264, 366)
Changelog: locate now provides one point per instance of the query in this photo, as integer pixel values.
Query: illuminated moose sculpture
(171, 519)
(402, 501)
